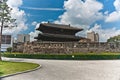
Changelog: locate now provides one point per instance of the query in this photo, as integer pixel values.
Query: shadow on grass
(1, 73)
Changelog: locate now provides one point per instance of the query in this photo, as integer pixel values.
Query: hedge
(65, 56)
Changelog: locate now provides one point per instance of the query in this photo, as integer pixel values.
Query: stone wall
(66, 47)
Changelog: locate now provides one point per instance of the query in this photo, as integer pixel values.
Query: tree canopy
(114, 39)
(5, 18)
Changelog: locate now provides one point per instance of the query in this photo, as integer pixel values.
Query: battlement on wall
(66, 47)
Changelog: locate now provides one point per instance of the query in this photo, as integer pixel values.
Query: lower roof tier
(57, 37)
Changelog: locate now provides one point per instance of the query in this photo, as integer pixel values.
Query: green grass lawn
(13, 67)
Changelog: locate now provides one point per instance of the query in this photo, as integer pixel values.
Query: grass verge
(14, 67)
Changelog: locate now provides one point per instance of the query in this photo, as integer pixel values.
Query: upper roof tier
(58, 29)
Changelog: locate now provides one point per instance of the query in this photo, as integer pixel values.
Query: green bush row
(64, 56)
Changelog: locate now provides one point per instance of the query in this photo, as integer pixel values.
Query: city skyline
(101, 16)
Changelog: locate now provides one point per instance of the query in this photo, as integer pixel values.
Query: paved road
(71, 70)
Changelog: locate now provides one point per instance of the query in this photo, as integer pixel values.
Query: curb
(21, 72)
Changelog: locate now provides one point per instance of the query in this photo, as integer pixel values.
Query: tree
(114, 39)
(9, 49)
(5, 18)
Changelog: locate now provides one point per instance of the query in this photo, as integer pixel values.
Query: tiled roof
(61, 26)
(60, 36)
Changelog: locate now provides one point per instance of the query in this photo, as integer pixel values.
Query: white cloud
(35, 33)
(17, 14)
(34, 23)
(37, 25)
(112, 17)
(117, 5)
(115, 15)
(81, 14)
(14, 30)
(14, 3)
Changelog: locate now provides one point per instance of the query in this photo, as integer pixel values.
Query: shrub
(9, 49)
(66, 57)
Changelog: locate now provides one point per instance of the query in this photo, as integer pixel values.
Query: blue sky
(42, 10)
(101, 16)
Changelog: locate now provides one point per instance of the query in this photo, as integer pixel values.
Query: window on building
(6, 39)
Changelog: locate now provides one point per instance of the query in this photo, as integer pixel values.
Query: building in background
(7, 42)
(94, 37)
(23, 38)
